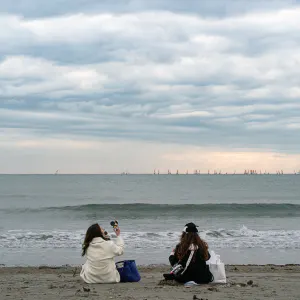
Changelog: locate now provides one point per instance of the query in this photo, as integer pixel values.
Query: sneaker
(169, 276)
(190, 284)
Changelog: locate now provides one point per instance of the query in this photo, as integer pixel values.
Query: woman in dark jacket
(197, 270)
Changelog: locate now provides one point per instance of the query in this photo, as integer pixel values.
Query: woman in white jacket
(100, 252)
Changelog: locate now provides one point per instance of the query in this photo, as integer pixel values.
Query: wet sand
(268, 282)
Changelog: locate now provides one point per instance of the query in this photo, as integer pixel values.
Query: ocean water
(245, 219)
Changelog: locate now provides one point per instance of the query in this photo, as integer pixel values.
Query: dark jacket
(197, 270)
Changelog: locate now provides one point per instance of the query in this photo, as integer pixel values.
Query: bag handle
(188, 261)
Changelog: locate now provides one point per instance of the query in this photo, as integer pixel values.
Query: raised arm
(118, 246)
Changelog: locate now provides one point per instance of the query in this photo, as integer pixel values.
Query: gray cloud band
(160, 76)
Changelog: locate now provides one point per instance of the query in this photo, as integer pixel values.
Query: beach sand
(269, 282)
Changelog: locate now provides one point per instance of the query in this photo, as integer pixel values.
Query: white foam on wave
(221, 238)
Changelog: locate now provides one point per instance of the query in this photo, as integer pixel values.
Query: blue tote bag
(128, 271)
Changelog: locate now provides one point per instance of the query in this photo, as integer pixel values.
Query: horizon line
(168, 174)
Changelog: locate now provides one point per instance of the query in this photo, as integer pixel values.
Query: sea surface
(244, 218)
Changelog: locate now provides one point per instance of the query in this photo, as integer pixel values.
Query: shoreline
(63, 282)
(141, 266)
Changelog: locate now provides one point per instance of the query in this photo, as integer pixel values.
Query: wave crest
(142, 210)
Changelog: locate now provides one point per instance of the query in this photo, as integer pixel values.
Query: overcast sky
(101, 86)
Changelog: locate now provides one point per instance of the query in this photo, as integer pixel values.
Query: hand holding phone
(117, 231)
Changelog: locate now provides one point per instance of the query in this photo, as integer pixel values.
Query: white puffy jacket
(100, 266)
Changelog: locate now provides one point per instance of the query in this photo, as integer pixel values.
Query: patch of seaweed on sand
(168, 283)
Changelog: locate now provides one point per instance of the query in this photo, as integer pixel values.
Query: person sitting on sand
(100, 252)
(197, 270)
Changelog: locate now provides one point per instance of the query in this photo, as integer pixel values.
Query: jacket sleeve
(172, 258)
(117, 246)
(208, 256)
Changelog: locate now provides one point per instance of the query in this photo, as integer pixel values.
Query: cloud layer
(212, 76)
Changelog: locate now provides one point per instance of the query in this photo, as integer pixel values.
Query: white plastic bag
(217, 268)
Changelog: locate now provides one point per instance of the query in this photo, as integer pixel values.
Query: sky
(101, 86)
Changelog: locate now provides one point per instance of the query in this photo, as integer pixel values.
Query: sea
(246, 219)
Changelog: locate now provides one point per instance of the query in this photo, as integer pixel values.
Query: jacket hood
(97, 240)
(193, 247)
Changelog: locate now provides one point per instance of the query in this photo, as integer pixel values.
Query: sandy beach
(244, 282)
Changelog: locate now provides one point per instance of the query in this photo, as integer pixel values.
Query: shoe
(169, 276)
(190, 284)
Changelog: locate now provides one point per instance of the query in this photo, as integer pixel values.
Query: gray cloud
(171, 75)
(33, 8)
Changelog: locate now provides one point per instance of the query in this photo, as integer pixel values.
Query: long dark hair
(92, 232)
(188, 239)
